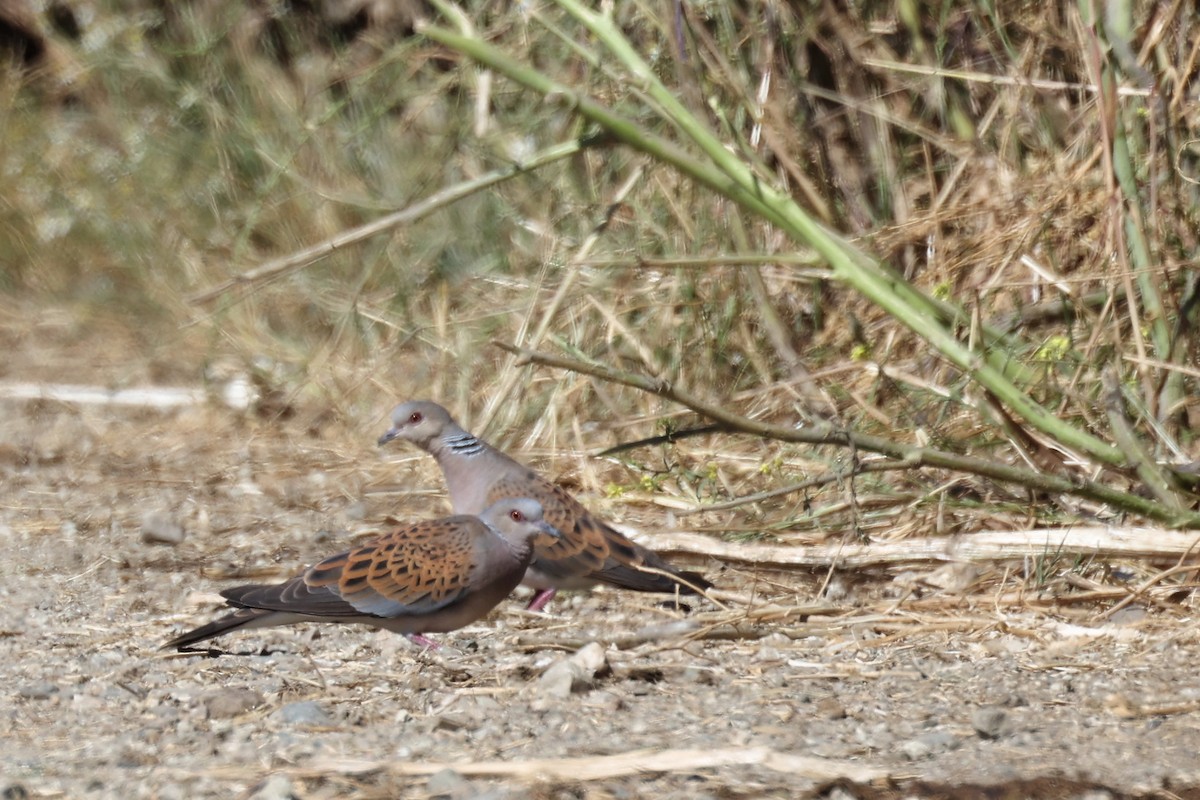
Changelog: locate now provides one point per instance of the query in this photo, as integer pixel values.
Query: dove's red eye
(516, 516)
(415, 417)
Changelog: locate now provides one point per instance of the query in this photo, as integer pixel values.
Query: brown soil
(961, 698)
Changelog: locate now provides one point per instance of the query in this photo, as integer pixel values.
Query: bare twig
(1140, 590)
(277, 268)
(820, 480)
(670, 437)
(591, 768)
(1103, 542)
(1003, 80)
(822, 433)
(801, 266)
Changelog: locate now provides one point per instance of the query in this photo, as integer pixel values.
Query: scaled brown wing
(589, 546)
(414, 570)
(582, 548)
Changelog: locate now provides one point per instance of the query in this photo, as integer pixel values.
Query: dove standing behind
(588, 550)
(428, 577)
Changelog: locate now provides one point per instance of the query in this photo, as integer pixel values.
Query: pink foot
(421, 641)
(540, 599)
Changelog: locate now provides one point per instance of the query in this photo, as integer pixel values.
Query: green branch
(728, 176)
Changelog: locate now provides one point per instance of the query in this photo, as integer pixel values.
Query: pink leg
(540, 599)
(421, 641)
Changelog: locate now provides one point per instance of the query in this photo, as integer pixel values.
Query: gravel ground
(122, 523)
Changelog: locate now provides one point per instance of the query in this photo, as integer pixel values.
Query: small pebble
(991, 722)
(276, 787)
(706, 677)
(830, 708)
(451, 722)
(667, 630)
(37, 691)
(768, 655)
(449, 783)
(304, 712)
(1130, 615)
(928, 744)
(837, 590)
(838, 793)
(226, 703)
(916, 750)
(591, 660)
(159, 527)
(417, 745)
(568, 675)
(557, 681)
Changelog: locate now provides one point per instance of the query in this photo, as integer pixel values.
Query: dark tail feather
(227, 623)
(653, 579)
(693, 579)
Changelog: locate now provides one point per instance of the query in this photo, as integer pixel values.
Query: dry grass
(971, 152)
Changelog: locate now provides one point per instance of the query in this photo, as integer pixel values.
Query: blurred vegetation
(1034, 169)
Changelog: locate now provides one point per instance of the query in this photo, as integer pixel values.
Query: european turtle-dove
(427, 577)
(588, 551)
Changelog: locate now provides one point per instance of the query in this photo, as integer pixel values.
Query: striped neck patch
(463, 444)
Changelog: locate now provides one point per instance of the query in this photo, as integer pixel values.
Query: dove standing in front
(588, 551)
(428, 577)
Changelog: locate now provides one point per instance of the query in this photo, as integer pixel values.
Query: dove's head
(519, 520)
(419, 422)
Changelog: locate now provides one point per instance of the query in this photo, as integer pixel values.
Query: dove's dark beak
(392, 433)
